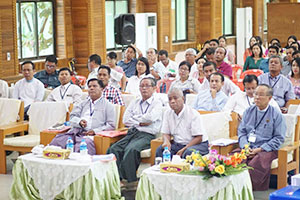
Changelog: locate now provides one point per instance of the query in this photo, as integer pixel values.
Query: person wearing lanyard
(91, 116)
(263, 128)
(143, 117)
(66, 91)
(240, 101)
(282, 86)
(185, 125)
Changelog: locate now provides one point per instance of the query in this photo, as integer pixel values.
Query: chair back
(190, 99)
(291, 126)
(84, 95)
(10, 92)
(163, 85)
(47, 92)
(255, 72)
(180, 56)
(293, 101)
(11, 110)
(43, 115)
(127, 98)
(216, 124)
(162, 97)
(237, 70)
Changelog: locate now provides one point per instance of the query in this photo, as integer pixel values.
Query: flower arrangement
(214, 164)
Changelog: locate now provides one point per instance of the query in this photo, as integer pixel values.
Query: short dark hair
(218, 74)
(274, 47)
(196, 61)
(270, 89)
(296, 52)
(222, 36)
(27, 62)
(210, 51)
(64, 69)
(163, 52)
(152, 80)
(185, 63)
(297, 60)
(261, 51)
(105, 67)
(145, 61)
(276, 39)
(130, 46)
(222, 48)
(290, 47)
(209, 63)
(51, 58)
(214, 40)
(249, 78)
(112, 55)
(298, 45)
(100, 83)
(96, 58)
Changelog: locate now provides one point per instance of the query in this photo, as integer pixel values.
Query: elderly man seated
(143, 116)
(213, 99)
(49, 76)
(229, 88)
(240, 101)
(185, 125)
(92, 115)
(66, 91)
(263, 127)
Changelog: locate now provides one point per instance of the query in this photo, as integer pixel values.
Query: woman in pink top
(199, 75)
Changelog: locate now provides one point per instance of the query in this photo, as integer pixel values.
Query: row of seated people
(262, 126)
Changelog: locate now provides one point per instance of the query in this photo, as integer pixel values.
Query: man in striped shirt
(111, 93)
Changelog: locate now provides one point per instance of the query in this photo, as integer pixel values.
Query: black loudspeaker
(125, 29)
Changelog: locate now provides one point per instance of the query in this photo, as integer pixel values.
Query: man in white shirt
(89, 117)
(66, 91)
(28, 89)
(190, 56)
(184, 124)
(240, 101)
(165, 67)
(94, 63)
(229, 88)
(143, 116)
(4, 93)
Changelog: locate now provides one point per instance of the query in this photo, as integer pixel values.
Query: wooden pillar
(164, 36)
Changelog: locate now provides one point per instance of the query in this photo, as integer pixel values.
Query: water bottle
(166, 155)
(83, 147)
(70, 144)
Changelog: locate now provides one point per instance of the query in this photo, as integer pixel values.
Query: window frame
(232, 18)
(19, 29)
(116, 47)
(186, 24)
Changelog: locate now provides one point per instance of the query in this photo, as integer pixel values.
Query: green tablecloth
(146, 191)
(86, 187)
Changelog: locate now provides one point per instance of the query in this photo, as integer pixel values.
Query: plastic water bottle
(166, 155)
(83, 147)
(70, 144)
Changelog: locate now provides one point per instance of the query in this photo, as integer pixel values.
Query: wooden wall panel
(191, 24)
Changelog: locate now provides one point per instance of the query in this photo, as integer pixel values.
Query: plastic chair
(256, 72)
(163, 85)
(236, 71)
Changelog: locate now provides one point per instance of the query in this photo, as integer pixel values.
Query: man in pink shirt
(222, 67)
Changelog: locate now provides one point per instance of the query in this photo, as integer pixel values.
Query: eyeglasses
(50, 66)
(146, 86)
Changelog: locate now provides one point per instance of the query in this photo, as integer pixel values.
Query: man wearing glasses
(49, 76)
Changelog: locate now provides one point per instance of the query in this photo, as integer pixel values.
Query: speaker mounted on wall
(125, 29)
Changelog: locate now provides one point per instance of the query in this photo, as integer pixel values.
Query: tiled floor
(6, 181)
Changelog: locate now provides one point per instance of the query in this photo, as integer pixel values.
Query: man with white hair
(190, 56)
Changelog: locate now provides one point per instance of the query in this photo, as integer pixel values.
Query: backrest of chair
(180, 56)
(122, 111)
(11, 110)
(292, 101)
(127, 98)
(292, 129)
(162, 97)
(237, 70)
(256, 72)
(47, 92)
(84, 95)
(234, 125)
(10, 92)
(43, 115)
(190, 99)
(117, 115)
(293, 109)
(163, 86)
(216, 124)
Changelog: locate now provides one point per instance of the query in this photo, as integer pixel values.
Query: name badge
(252, 137)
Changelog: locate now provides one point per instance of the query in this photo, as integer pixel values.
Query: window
(112, 9)
(227, 17)
(266, 15)
(179, 20)
(35, 23)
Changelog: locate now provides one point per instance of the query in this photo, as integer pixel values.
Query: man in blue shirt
(282, 87)
(213, 99)
(263, 127)
(129, 62)
(264, 64)
(49, 76)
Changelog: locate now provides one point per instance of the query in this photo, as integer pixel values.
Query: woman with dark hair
(248, 51)
(296, 45)
(290, 40)
(253, 61)
(142, 70)
(186, 83)
(199, 75)
(117, 75)
(295, 76)
(229, 57)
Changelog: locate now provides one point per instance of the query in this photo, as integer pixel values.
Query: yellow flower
(220, 169)
(188, 159)
(246, 146)
(194, 156)
(243, 151)
(197, 163)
